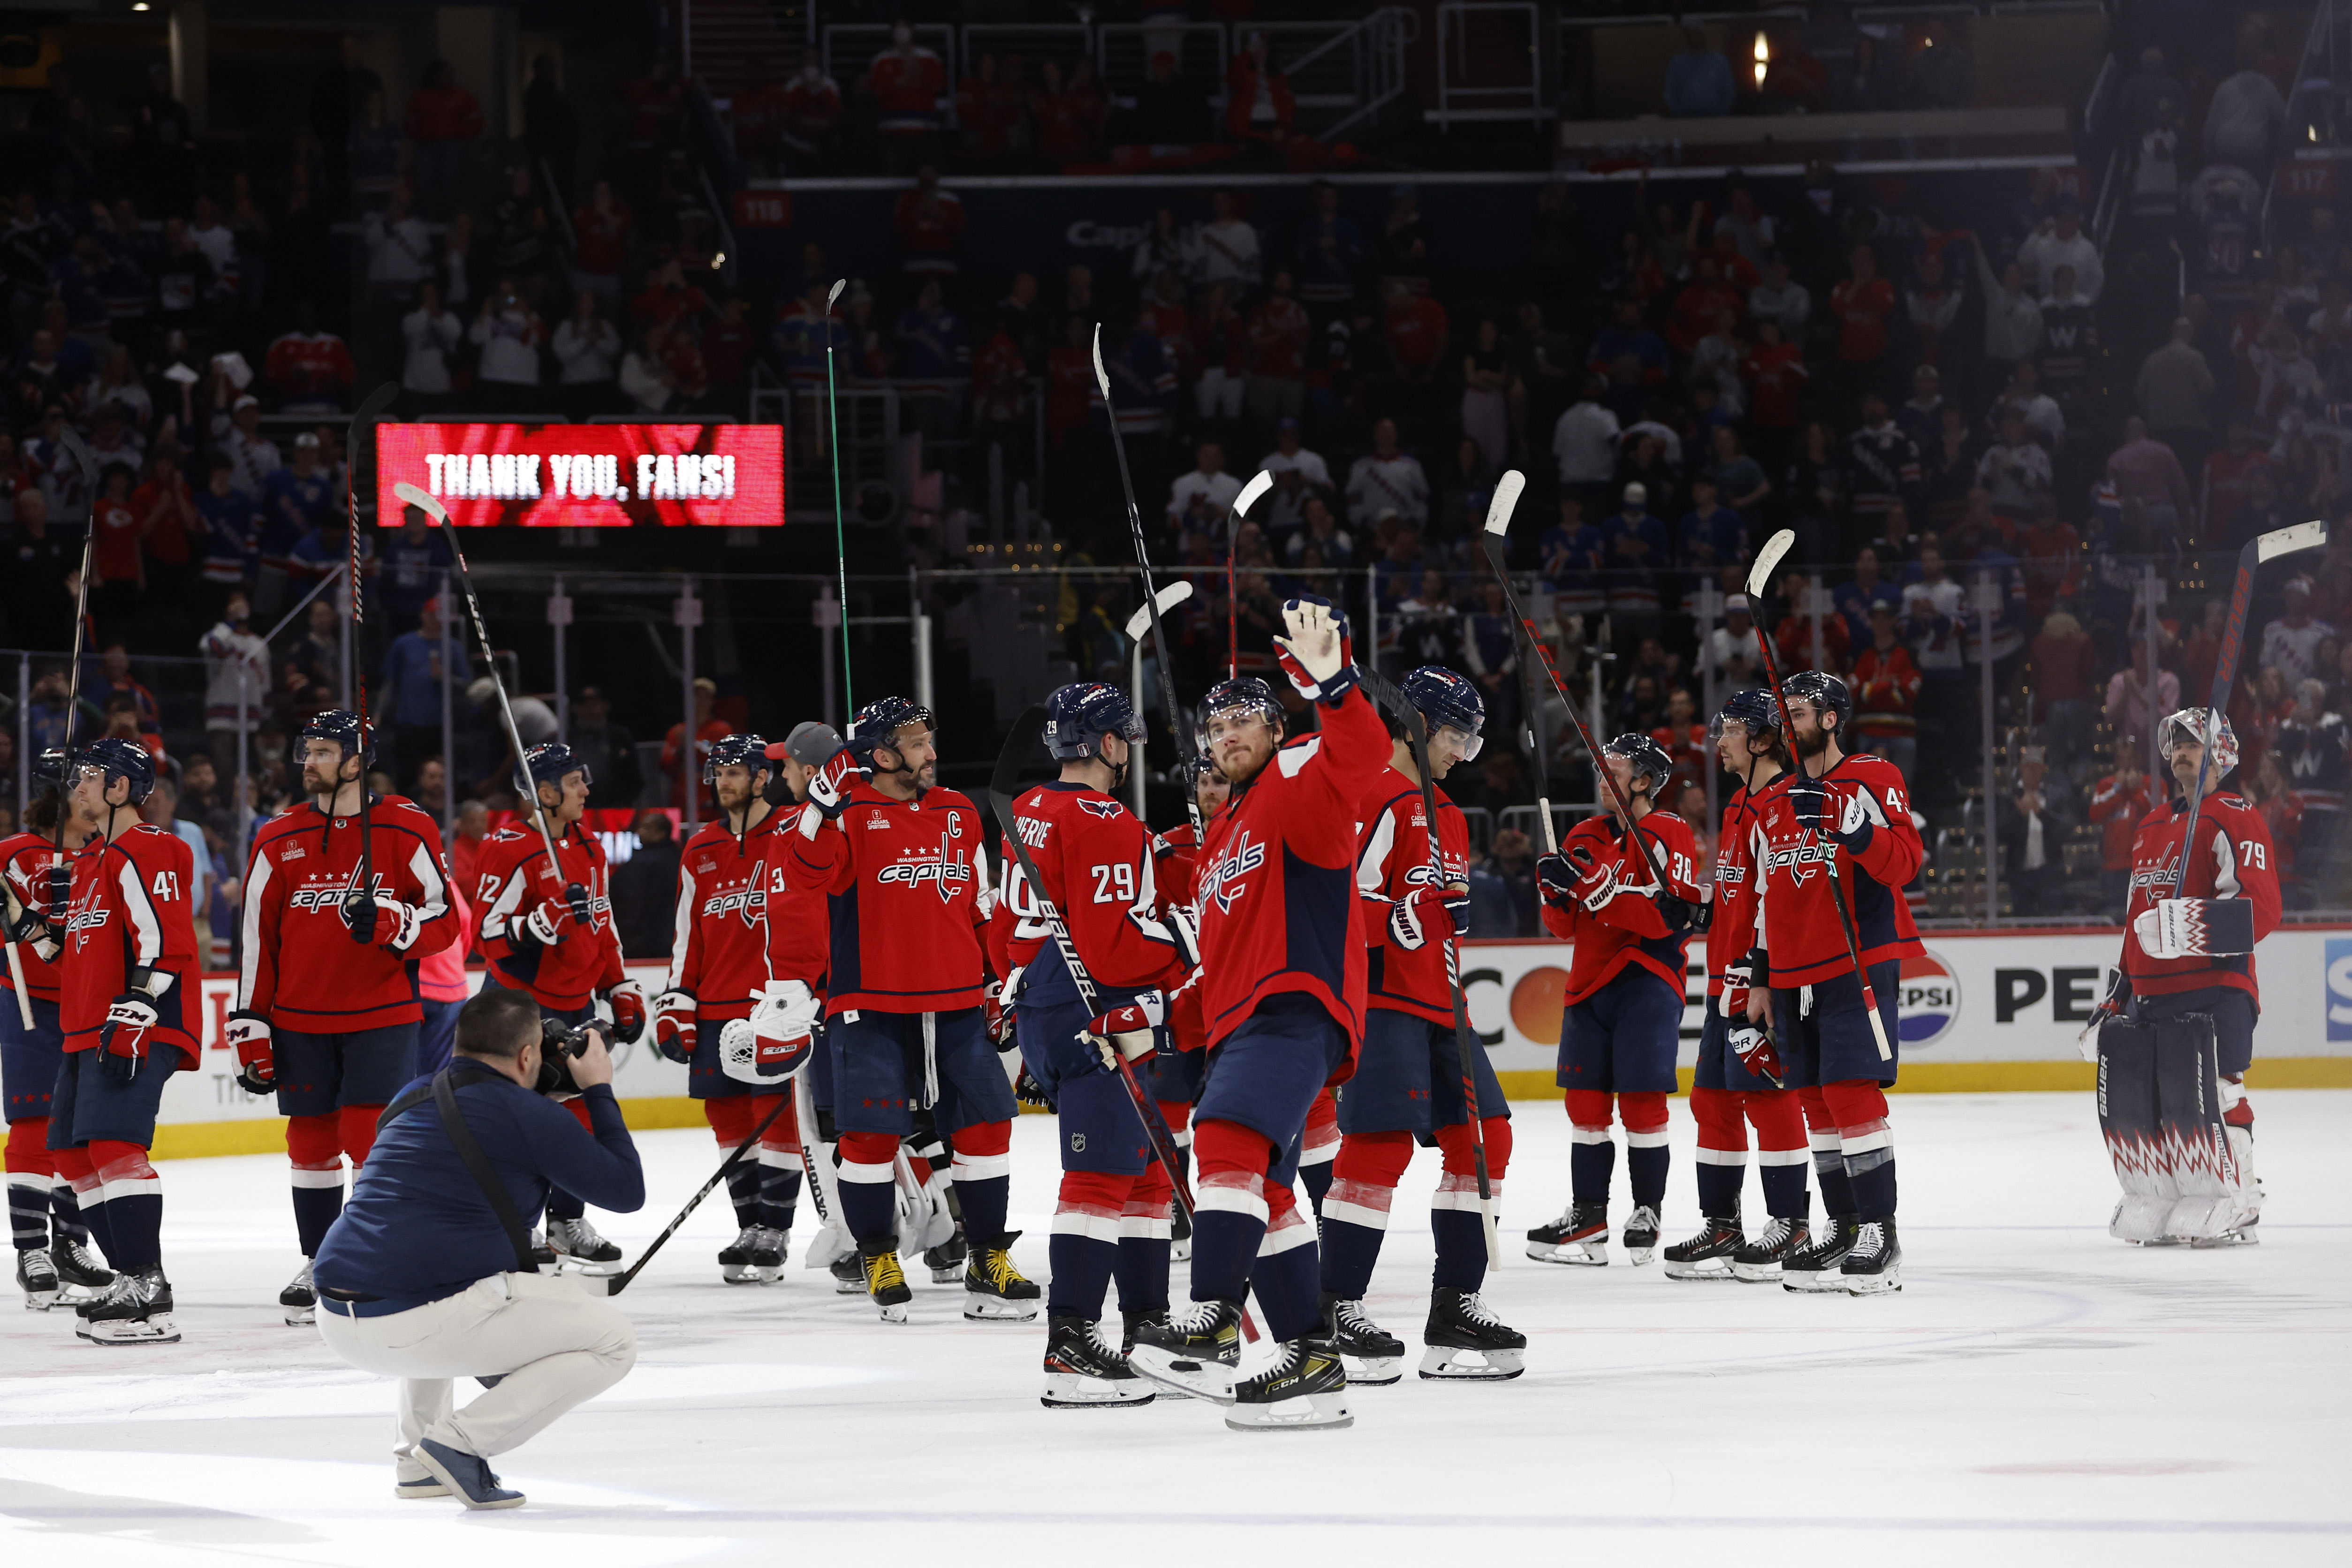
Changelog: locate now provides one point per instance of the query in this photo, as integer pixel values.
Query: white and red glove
(997, 1003)
(2195, 927)
(627, 1000)
(675, 1028)
(1186, 927)
(1739, 978)
(829, 787)
(1318, 656)
(1426, 914)
(1125, 1033)
(549, 924)
(1757, 1052)
(257, 1062)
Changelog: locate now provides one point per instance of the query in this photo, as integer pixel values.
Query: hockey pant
(1724, 1117)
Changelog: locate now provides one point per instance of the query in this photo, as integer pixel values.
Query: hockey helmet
(116, 757)
(883, 717)
(552, 762)
(1644, 756)
(747, 751)
(48, 771)
(342, 727)
(2192, 725)
(1077, 717)
(1244, 694)
(1825, 692)
(1754, 710)
(1448, 701)
(1197, 767)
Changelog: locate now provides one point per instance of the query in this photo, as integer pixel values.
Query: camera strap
(443, 1091)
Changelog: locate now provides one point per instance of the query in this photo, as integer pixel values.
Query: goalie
(2172, 1078)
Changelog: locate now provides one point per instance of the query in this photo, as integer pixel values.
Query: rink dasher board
(1995, 1011)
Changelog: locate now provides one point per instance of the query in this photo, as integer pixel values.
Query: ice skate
(993, 1289)
(81, 1277)
(1304, 1389)
(735, 1258)
(848, 1275)
(1759, 1262)
(1131, 1322)
(1814, 1266)
(1082, 1372)
(767, 1254)
(575, 1243)
(886, 1282)
(1467, 1343)
(36, 1276)
(137, 1310)
(1875, 1266)
(1708, 1254)
(300, 1299)
(946, 1261)
(1193, 1352)
(1349, 1332)
(1640, 1234)
(1581, 1236)
(540, 1252)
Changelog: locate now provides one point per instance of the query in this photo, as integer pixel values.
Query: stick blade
(2286, 541)
(1506, 499)
(1767, 558)
(377, 401)
(1102, 376)
(1168, 599)
(1252, 492)
(428, 504)
(833, 294)
(1025, 737)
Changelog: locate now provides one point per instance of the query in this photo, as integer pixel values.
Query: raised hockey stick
(616, 1283)
(1416, 728)
(1150, 597)
(1758, 576)
(840, 527)
(1026, 731)
(1139, 625)
(363, 888)
(1258, 485)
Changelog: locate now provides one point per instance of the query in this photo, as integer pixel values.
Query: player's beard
(732, 801)
(1812, 745)
(318, 785)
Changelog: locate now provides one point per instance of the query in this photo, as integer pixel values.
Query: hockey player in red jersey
(53, 1257)
(1847, 816)
(1408, 1083)
(1174, 1077)
(1739, 1078)
(328, 1007)
(1623, 1018)
(2190, 935)
(548, 929)
(127, 1004)
(905, 866)
(1283, 986)
(1094, 861)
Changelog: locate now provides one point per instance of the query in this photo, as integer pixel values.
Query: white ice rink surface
(2038, 1393)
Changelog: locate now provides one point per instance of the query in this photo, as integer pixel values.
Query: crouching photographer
(428, 1276)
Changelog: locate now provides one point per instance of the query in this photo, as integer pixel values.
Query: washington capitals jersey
(1392, 860)
(1177, 853)
(302, 969)
(131, 911)
(2234, 859)
(1628, 932)
(1277, 898)
(1799, 921)
(513, 878)
(25, 861)
(907, 884)
(1731, 930)
(718, 954)
(1096, 860)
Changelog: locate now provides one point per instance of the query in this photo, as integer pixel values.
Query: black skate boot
(299, 1298)
(735, 1258)
(886, 1282)
(1305, 1388)
(946, 1261)
(1459, 1326)
(848, 1275)
(1640, 1234)
(1759, 1262)
(137, 1310)
(1192, 1352)
(576, 1245)
(993, 1289)
(1814, 1266)
(1707, 1255)
(81, 1277)
(1130, 1322)
(1082, 1372)
(1875, 1267)
(768, 1252)
(1580, 1236)
(36, 1276)
(1348, 1331)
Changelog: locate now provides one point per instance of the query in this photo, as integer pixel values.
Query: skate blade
(1210, 1380)
(952, 1275)
(40, 1300)
(1066, 1391)
(157, 1330)
(2227, 1238)
(768, 1276)
(1373, 1370)
(1637, 1256)
(1880, 1284)
(593, 1269)
(1322, 1412)
(302, 1317)
(1705, 1269)
(1438, 1364)
(849, 1287)
(430, 1487)
(892, 1312)
(739, 1274)
(980, 1309)
(1180, 1252)
(1756, 1273)
(1576, 1253)
(1826, 1283)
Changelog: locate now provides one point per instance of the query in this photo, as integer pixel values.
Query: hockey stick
(1026, 731)
(840, 527)
(1498, 524)
(1139, 625)
(73, 444)
(1416, 725)
(1758, 576)
(1151, 598)
(1257, 487)
(363, 888)
(616, 1283)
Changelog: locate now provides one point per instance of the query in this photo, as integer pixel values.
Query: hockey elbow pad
(2196, 927)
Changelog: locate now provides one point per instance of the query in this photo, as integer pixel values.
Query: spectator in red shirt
(986, 114)
(1259, 106)
(906, 82)
(2052, 554)
(683, 762)
(1276, 355)
(1069, 113)
(1684, 739)
(117, 561)
(442, 119)
(168, 528)
(311, 371)
(999, 402)
(812, 107)
(2240, 489)
(668, 298)
(1777, 377)
(2061, 675)
(1886, 693)
(1415, 332)
(758, 110)
(2118, 803)
(1698, 306)
(1793, 638)
(1069, 383)
(930, 223)
(602, 252)
(656, 104)
(1861, 306)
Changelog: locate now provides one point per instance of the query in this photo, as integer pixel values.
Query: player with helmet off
(2172, 1070)
(905, 868)
(1740, 1081)
(1413, 880)
(127, 1005)
(1281, 953)
(1844, 817)
(1623, 889)
(1094, 861)
(340, 909)
(544, 889)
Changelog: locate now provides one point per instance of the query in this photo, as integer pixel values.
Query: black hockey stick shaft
(89, 466)
(363, 888)
(621, 1281)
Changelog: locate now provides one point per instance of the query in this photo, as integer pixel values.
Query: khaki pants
(553, 1345)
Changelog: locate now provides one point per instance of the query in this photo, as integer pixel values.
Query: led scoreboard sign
(587, 475)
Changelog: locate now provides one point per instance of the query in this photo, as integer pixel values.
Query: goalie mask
(2193, 726)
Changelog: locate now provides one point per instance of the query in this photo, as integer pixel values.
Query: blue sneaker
(467, 1475)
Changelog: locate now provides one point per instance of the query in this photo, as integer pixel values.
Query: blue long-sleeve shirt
(418, 1226)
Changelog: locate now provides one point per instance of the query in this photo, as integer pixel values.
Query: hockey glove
(1681, 914)
(2116, 1004)
(2196, 927)
(359, 912)
(1596, 884)
(1127, 1032)
(576, 898)
(1840, 818)
(1184, 926)
(1029, 1092)
(674, 1025)
(24, 925)
(1318, 656)
(546, 926)
(628, 1003)
(776, 1041)
(1757, 1053)
(122, 1039)
(257, 1062)
(1554, 880)
(829, 787)
(59, 879)
(1426, 914)
(1739, 976)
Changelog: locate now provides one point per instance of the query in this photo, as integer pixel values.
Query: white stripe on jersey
(147, 930)
(257, 878)
(682, 927)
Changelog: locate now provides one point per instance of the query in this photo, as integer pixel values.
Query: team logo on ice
(1221, 882)
(1929, 1003)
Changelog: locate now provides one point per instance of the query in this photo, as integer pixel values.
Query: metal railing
(850, 48)
(1346, 72)
(1123, 52)
(1465, 91)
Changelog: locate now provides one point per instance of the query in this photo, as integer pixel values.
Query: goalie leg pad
(2129, 1122)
